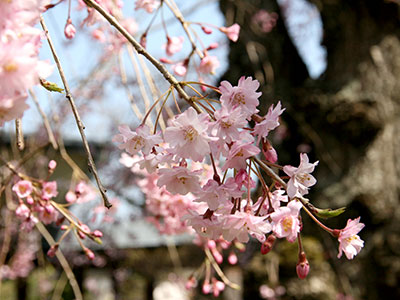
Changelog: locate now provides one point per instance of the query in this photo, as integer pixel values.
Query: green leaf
(329, 213)
(50, 86)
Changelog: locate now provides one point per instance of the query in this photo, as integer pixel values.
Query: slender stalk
(46, 122)
(141, 50)
(63, 261)
(68, 95)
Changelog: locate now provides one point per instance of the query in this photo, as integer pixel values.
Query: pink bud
(218, 257)
(232, 258)
(64, 227)
(52, 165)
(218, 286)
(191, 283)
(213, 46)
(302, 267)
(166, 60)
(267, 245)
(206, 30)
(89, 253)
(97, 233)
(70, 197)
(211, 244)
(269, 151)
(30, 200)
(52, 251)
(206, 288)
(69, 29)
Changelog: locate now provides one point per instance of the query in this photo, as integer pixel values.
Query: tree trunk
(349, 117)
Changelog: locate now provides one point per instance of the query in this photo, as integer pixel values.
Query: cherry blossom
(238, 154)
(300, 178)
(270, 121)
(49, 190)
(209, 64)
(174, 45)
(232, 32)
(23, 188)
(134, 141)
(241, 224)
(188, 135)
(148, 5)
(227, 124)
(285, 221)
(243, 95)
(179, 180)
(349, 242)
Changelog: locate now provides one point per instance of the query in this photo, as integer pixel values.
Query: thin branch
(46, 122)
(63, 261)
(92, 166)
(139, 48)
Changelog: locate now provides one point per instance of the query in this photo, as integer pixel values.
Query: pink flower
(134, 141)
(243, 95)
(238, 154)
(187, 135)
(241, 224)
(285, 221)
(209, 64)
(23, 188)
(270, 122)
(49, 190)
(349, 242)
(232, 32)
(84, 192)
(179, 69)
(29, 223)
(48, 214)
(265, 20)
(173, 45)
(12, 108)
(227, 124)
(52, 165)
(22, 211)
(148, 5)
(69, 29)
(300, 178)
(179, 180)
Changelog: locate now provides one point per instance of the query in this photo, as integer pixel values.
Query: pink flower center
(303, 178)
(190, 133)
(239, 98)
(138, 142)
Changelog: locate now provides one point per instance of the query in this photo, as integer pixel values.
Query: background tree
(349, 116)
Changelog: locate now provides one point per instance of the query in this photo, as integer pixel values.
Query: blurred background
(333, 64)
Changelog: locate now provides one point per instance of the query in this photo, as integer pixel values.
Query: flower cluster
(199, 172)
(20, 67)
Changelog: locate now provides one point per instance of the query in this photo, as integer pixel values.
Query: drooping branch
(79, 123)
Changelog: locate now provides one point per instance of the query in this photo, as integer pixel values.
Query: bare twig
(139, 48)
(63, 261)
(92, 166)
(19, 135)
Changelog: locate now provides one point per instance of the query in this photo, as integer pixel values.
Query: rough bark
(350, 117)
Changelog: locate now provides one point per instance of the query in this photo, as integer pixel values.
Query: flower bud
(89, 253)
(52, 251)
(268, 244)
(97, 233)
(69, 29)
(52, 165)
(302, 267)
(191, 283)
(206, 30)
(232, 258)
(206, 288)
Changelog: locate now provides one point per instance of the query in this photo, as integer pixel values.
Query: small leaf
(329, 213)
(50, 86)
